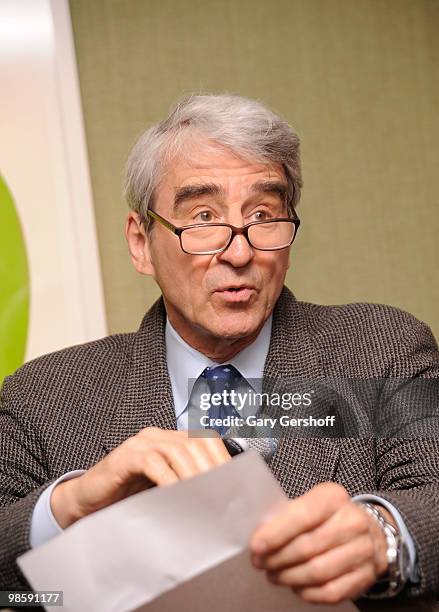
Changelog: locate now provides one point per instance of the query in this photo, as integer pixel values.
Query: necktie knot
(220, 378)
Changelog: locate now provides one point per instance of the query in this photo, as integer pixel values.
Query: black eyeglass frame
(235, 231)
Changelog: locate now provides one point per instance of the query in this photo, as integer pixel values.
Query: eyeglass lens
(275, 235)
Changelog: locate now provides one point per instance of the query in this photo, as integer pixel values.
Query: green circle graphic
(14, 287)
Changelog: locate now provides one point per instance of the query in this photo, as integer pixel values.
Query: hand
(324, 546)
(152, 457)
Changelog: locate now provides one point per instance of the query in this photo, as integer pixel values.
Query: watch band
(397, 558)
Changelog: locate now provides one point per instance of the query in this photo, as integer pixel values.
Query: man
(213, 191)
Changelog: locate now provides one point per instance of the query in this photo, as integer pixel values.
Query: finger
(179, 458)
(212, 441)
(186, 455)
(342, 527)
(134, 457)
(327, 566)
(200, 454)
(207, 452)
(302, 514)
(217, 450)
(157, 469)
(348, 586)
(213, 445)
(118, 474)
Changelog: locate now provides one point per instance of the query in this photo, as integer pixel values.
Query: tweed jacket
(67, 410)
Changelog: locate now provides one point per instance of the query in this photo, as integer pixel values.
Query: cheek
(178, 273)
(166, 263)
(275, 269)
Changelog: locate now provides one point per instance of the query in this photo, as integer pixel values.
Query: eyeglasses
(210, 238)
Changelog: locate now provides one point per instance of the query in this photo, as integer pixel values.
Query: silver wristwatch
(398, 560)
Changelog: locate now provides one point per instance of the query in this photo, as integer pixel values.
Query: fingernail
(257, 561)
(259, 546)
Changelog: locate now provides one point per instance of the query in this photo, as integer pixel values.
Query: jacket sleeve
(23, 478)
(416, 496)
(407, 448)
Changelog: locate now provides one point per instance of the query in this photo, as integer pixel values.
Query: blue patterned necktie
(219, 379)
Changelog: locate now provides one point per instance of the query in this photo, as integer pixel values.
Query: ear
(139, 245)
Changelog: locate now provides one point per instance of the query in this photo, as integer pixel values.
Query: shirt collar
(185, 364)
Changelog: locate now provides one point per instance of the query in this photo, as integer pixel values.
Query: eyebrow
(190, 192)
(274, 187)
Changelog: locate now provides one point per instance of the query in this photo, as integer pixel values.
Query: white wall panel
(43, 160)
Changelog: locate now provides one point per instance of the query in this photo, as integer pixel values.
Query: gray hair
(245, 126)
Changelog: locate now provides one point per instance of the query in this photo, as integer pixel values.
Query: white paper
(185, 544)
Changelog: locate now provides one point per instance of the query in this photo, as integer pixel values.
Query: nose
(239, 252)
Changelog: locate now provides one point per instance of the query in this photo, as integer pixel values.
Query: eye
(205, 216)
(261, 215)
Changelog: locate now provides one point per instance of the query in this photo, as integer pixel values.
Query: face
(221, 299)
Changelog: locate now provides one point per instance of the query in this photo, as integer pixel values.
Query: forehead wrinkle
(190, 192)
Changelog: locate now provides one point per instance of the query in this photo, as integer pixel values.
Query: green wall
(358, 79)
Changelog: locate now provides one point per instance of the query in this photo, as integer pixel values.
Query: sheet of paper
(233, 585)
(173, 548)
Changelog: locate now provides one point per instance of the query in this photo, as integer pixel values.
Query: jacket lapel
(147, 401)
(300, 462)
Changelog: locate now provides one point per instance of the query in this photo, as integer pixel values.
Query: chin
(237, 326)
